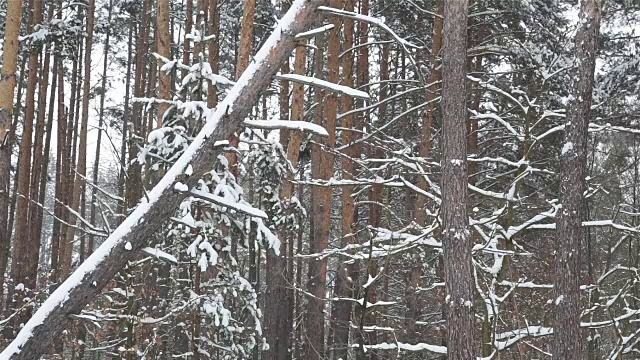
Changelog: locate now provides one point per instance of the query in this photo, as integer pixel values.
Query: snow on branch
(287, 124)
(314, 32)
(240, 207)
(307, 80)
(160, 254)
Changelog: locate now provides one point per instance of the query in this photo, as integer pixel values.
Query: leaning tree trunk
(567, 339)
(123, 245)
(457, 238)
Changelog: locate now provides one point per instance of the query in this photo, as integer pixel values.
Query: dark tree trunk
(457, 238)
(567, 343)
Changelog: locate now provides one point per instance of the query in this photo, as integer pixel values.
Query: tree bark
(96, 162)
(134, 187)
(22, 245)
(567, 338)
(164, 49)
(122, 206)
(60, 177)
(81, 167)
(435, 76)
(7, 88)
(278, 299)
(347, 274)
(457, 239)
(322, 197)
(85, 284)
(39, 166)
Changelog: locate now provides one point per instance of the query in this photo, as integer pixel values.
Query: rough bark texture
(22, 245)
(244, 53)
(277, 302)
(246, 36)
(322, 199)
(457, 239)
(435, 76)
(188, 24)
(134, 171)
(96, 162)
(164, 49)
(81, 166)
(86, 283)
(38, 167)
(567, 342)
(125, 126)
(7, 89)
(341, 312)
(214, 50)
(60, 169)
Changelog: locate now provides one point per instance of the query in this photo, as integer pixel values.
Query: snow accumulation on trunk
(158, 205)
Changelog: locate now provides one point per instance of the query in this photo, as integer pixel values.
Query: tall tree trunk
(60, 175)
(22, 245)
(457, 238)
(44, 177)
(96, 162)
(188, 25)
(214, 50)
(81, 167)
(567, 338)
(122, 206)
(435, 76)
(244, 53)
(134, 174)
(322, 197)
(314, 325)
(38, 168)
(65, 247)
(347, 274)
(278, 299)
(164, 49)
(7, 87)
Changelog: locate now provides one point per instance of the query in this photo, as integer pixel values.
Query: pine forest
(319, 179)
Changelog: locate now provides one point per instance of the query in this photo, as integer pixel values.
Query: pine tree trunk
(347, 275)
(37, 169)
(81, 167)
(457, 238)
(323, 164)
(96, 162)
(134, 187)
(60, 177)
(22, 245)
(7, 87)
(314, 316)
(567, 338)
(188, 25)
(164, 49)
(122, 206)
(435, 76)
(214, 50)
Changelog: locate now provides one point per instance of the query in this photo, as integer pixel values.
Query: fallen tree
(124, 244)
